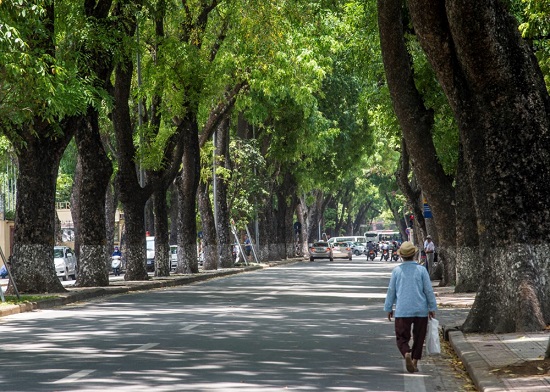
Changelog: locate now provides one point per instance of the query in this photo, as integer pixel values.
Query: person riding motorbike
(371, 247)
(385, 250)
(116, 261)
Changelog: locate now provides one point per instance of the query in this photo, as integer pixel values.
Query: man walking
(429, 248)
(411, 291)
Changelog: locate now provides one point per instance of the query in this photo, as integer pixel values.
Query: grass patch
(13, 300)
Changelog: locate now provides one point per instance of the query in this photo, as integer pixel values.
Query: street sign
(427, 211)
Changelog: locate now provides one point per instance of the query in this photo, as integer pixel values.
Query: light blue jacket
(411, 291)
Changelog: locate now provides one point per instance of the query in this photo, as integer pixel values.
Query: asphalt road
(304, 327)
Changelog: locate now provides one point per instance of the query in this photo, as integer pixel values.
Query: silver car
(65, 262)
(342, 250)
(320, 250)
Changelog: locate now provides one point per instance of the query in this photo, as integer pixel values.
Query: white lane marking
(221, 315)
(191, 326)
(74, 377)
(413, 382)
(144, 347)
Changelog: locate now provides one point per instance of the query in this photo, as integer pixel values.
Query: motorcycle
(372, 254)
(394, 255)
(116, 265)
(385, 255)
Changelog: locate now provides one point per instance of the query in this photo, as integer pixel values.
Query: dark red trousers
(403, 335)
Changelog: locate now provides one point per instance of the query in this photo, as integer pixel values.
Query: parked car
(320, 250)
(342, 250)
(65, 262)
(358, 248)
(173, 257)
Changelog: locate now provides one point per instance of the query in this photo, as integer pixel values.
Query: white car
(65, 262)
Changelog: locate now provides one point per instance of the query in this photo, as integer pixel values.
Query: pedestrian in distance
(429, 249)
(410, 289)
(247, 247)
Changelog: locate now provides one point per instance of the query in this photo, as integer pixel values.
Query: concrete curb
(78, 294)
(476, 366)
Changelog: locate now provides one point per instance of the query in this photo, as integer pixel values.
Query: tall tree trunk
(314, 217)
(272, 215)
(33, 265)
(75, 208)
(302, 218)
(111, 201)
(150, 216)
(162, 245)
(225, 239)
(187, 186)
(410, 189)
(173, 191)
(467, 239)
(209, 238)
(96, 174)
(287, 200)
(132, 195)
(416, 123)
(496, 90)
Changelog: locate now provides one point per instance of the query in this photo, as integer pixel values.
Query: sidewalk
(487, 356)
(484, 355)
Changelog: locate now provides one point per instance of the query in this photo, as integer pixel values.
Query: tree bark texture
(286, 202)
(497, 92)
(132, 196)
(209, 237)
(162, 246)
(410, 189)
(75, 207)
(302, 218)
(96, 174)
(467, 240)
(416, 123)
(187, 185)
(173, 192)
(111, 201)
(314, 217)
(33, 265)
(223, 230)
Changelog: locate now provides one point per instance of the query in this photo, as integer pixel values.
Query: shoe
(409, 363)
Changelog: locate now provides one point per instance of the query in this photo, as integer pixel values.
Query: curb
(77, 294)
(476, 366)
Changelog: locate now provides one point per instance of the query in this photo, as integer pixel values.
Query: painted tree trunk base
(35, 273)
(226, 255)
(467, 270)
(91, 273)
(135, 271)
(187, 259)
(210, 257)
(500, 307)
(162, 260)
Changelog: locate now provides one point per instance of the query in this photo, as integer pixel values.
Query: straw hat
(407, 249)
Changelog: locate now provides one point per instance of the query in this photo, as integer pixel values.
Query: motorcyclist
(117, 252)
(385, 247)
(116, 265)
(371, 246)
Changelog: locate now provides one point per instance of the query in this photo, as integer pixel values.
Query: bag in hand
(433, 345)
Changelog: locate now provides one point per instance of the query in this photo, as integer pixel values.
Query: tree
(499, 99)
(43, 96)
(417, 123)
